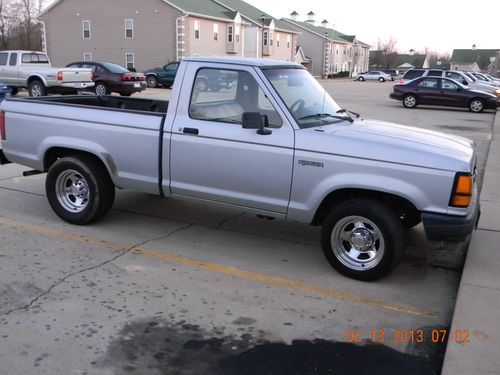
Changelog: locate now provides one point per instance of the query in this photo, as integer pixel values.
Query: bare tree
(19, 28)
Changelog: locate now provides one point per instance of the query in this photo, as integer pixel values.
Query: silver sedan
(375, 75)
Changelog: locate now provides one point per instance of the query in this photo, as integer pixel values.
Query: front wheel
(361, 79)
(410, 101)
(363, 239)
(381, 79)
(36, 88)
(100, 89)
(79, 189)
(476, 105)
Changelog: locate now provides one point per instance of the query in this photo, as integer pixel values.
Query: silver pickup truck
(32, 70)
(272, 142)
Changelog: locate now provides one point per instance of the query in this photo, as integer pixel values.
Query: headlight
(497, 92)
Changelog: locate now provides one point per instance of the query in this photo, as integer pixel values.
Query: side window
(3, 58)
(435, 73)
(27, 58)
(455, 76)
(13, 59)
(430, 83)
(224, 95)
(412, 74)
(448, 85)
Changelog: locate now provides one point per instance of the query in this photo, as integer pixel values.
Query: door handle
(190, 131)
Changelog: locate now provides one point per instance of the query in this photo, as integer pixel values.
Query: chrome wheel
(100, 89)
(36, 90)
(410, 101)
(476, 105)
(72, 191)
(357, 243)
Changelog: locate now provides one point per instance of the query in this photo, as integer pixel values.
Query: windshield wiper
(346, 111)
(321, 116)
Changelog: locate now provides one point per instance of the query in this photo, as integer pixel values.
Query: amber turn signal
(461, 195)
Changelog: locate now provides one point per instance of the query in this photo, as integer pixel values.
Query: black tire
(37, 88)
(14, 91)
(152, 81)
(361, 220)
(361, 79)
(381, 79)
(476, 105)
(410, 219)
(90, 183)
(101, 88)
(410, 101)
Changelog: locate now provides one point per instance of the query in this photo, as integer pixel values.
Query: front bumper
(440, 227)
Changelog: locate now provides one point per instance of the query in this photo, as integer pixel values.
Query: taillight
(126, 77)
(2, 126)
(402, 81)
(59, 76)
(461, 194)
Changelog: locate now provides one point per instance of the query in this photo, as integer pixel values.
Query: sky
(440, 26)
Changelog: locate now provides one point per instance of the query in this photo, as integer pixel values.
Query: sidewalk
(478, 302)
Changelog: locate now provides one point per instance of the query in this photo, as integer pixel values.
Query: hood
(393, 143)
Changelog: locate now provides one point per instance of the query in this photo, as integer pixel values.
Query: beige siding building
(329, 51)
(150, 33)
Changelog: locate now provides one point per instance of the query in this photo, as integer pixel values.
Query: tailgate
(76, 75)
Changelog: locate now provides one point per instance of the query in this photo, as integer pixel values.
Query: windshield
(307, 101)
(113, 68)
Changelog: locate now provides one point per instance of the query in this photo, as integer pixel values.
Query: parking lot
(163, 286)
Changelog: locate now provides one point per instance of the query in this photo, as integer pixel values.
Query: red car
(443, 91)
(109, 77)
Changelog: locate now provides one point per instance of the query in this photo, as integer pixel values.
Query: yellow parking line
(218, 268)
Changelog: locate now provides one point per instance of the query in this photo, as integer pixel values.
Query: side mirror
(254, 120)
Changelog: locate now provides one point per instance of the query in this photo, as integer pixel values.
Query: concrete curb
(474, 340)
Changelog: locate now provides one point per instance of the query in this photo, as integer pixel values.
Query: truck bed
(108, 102)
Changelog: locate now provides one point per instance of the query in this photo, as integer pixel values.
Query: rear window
(412, 74)
(113, 68)
(34, 58)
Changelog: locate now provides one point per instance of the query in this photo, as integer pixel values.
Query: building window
(230, 34)
(266, 38)
(288, 41)
(237, 34)
(277, 40)
(129, 29)
(86, 29)
(129, 61)
(216, 31)
(197, 29)
(87, 56)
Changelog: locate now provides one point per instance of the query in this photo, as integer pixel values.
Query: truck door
(213, 157)
(6, 74)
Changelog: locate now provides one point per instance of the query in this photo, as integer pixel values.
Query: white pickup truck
(32, 70)
(273, 142)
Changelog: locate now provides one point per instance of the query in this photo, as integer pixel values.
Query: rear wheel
(79, 189)
(363, 239)
(381, 79)
(37, 88)
(410, 101)
(476, 105)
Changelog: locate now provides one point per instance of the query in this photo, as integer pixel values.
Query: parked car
(109, 77)
(162, 76)
(32, 70)
(456, 75)
(484, 78)
(212, 80)
(375, 75)
(443, 91)
(391, 72)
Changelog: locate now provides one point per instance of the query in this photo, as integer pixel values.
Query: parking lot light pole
(263, 19)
